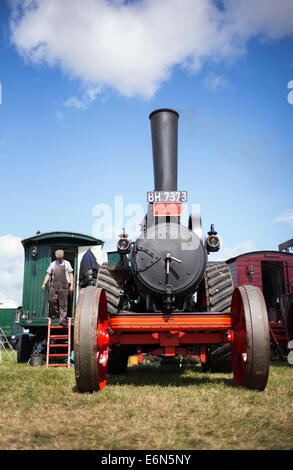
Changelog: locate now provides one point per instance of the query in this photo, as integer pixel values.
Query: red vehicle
(272, 272)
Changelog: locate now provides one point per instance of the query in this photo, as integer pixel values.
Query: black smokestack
(164, 127)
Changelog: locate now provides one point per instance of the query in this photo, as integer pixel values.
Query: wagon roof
(262, 252)
(5, 304)
(62, 236)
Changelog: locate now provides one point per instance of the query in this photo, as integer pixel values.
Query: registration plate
(167, 196)
(165, 209)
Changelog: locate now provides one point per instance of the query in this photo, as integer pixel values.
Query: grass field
(148, 408)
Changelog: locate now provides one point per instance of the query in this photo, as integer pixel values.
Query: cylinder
(164, 128)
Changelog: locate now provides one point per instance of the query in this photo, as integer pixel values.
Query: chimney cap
(164, 109)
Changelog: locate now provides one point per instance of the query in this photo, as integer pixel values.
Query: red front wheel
(250, 348)
(91, 340)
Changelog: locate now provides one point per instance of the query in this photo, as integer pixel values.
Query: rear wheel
(112, 289)
(218, 286)
(118, 356)
(218, 290)
(91, 340)
(250, 348)
(118, 360)
(24, 348)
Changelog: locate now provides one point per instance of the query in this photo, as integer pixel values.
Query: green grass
(147, 408)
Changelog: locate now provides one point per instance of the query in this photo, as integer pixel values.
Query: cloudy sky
(78, 82)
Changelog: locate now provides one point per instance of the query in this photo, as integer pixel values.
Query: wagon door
(70, 254)
(273, 287)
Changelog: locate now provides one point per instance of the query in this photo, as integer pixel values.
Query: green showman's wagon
(39, 253)
(8, 313)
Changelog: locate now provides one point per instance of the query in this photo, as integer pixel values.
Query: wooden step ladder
(61, 344)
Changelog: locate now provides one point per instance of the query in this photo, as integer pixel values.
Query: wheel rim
(250, 348)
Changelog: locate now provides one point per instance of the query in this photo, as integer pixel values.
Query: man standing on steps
(61, 280)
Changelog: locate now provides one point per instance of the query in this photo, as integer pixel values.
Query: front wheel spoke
(102, 339)
(244, 357)
(102, 358)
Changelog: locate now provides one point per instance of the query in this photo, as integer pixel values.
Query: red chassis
(170, 334)
(246, 329)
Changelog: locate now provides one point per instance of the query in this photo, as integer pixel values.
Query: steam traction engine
(144, 299)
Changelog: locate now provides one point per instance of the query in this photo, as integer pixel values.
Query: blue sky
(74, 135)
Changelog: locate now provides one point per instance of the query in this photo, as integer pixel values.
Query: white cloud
(215, 82)
(11, 268)
(226, 252)
(132, 47)
(286, 217)
(74, 102)
(88, 97)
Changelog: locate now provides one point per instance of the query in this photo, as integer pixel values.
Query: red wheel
(250, 348)
(91, 340)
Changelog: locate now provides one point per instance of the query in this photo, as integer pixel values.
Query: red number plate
(167, 208)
